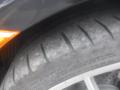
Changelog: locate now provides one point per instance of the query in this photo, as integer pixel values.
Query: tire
(81, 43)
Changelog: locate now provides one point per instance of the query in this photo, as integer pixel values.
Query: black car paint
(22, 14)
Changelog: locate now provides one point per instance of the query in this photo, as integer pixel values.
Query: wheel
(76, 50)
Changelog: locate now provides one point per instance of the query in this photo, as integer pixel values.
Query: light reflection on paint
(6, 36)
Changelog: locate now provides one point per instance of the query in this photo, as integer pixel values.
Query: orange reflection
(6, 36)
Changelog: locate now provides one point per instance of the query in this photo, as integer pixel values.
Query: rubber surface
(82, 42)
(23, 14)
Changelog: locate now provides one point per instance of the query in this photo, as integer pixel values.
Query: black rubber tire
(79, 44)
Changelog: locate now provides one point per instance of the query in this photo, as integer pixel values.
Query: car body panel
(21, 14)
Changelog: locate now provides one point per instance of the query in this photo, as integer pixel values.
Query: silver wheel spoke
(88, 78)
(91, 83)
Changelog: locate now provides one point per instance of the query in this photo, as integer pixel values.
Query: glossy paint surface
(22, 14)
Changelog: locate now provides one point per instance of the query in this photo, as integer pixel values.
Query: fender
(22, 14)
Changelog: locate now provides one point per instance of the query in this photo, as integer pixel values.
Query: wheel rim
(88, 78)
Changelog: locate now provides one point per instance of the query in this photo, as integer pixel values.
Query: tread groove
(105, 27)
(28, 62)
(86, 33)
(44, 53)
(117, 18)
(3, 87)
(14, 74)
(67, 41)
